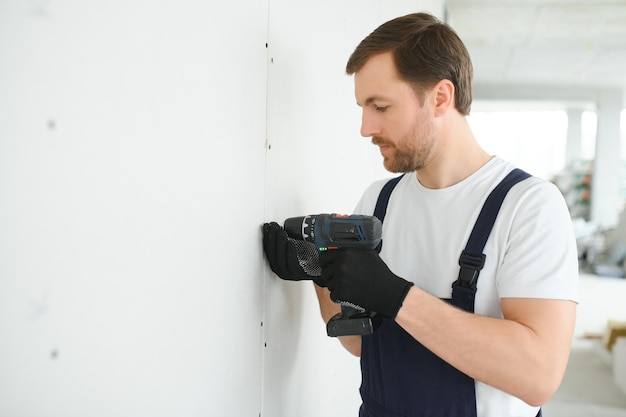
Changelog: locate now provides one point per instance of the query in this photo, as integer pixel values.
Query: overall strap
(383, 198)
(472, 258)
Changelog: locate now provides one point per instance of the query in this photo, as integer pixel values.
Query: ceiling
(543, 49)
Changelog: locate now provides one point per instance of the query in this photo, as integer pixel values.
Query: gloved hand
(362, 278)
(282, 254)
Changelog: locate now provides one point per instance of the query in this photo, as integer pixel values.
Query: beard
(412, 152)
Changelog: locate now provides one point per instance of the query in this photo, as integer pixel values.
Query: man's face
(393, 116)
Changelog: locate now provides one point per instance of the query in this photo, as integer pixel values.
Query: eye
(381, 109)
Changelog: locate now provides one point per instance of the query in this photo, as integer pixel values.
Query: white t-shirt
(530, 253)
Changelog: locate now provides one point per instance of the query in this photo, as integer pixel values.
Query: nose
(369, 125)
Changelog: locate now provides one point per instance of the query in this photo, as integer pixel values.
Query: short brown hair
(425, 51)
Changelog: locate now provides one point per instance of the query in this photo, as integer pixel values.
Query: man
(431, 358)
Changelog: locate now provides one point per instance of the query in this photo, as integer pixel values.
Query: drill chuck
(298, 227)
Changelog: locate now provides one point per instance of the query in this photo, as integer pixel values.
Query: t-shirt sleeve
(541, 259)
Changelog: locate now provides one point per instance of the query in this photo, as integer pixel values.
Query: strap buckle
(470, 268)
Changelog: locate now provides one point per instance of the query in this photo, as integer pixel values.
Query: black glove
(362, 278)
(290, 259)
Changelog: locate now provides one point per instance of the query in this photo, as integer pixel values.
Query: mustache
(377, 140)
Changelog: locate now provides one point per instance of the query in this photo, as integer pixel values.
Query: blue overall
(400, 377)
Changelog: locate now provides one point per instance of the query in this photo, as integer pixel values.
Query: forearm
(520, 356)
(328, 309)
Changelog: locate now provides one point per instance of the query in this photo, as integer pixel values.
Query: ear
(444, 97)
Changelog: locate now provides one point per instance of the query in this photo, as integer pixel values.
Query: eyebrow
(372, 99)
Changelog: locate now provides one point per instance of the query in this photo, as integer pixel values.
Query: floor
(588, 388)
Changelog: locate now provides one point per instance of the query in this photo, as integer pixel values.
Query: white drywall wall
(142, 145)
(131, 177)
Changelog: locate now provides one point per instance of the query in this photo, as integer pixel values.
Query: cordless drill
(341, 232)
